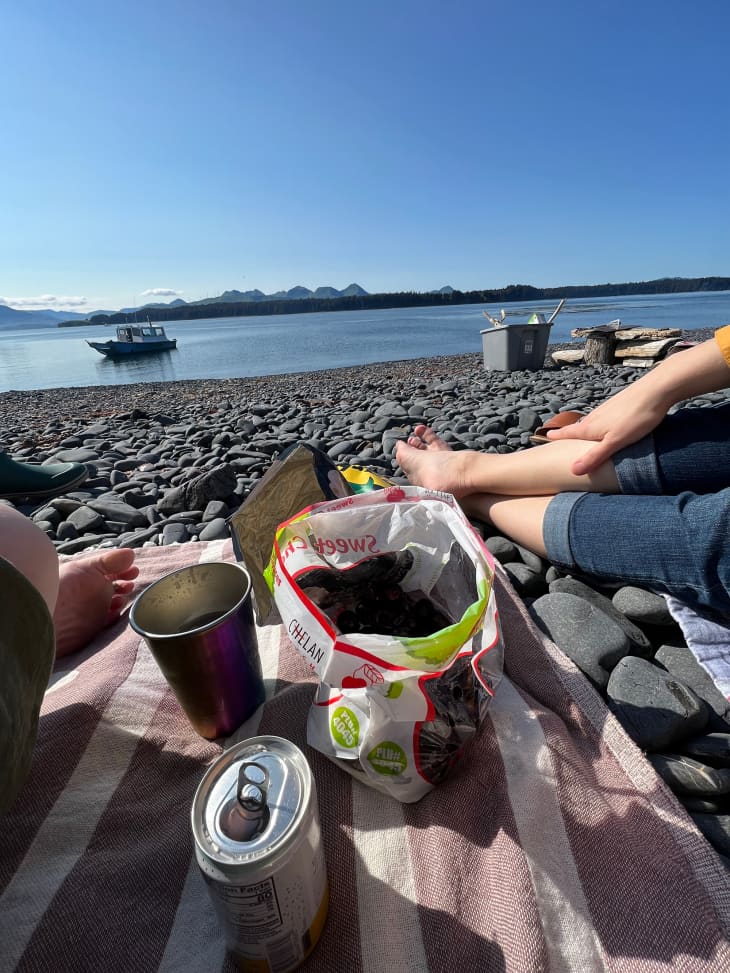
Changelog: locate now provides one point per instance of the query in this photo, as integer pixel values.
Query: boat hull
(123, 349)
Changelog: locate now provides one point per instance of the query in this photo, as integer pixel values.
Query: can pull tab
(246, 817)
(253, 785)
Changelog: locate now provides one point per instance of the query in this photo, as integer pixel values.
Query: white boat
(134, 339)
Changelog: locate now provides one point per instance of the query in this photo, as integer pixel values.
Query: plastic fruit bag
(388, 596)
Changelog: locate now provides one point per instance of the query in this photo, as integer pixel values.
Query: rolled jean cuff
(637, 470)
(556, 528)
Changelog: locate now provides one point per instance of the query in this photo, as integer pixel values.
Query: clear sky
(185, 148)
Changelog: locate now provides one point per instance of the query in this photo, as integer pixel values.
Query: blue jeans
(669, 528)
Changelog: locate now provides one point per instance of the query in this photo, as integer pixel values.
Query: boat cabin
(148, 332)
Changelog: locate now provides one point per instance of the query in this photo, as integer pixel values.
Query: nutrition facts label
(254, 909)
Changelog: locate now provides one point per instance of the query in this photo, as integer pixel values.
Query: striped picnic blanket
(553, 846)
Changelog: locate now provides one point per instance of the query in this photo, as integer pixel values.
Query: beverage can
(257, 840)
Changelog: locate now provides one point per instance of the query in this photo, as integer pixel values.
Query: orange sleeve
(722, 337)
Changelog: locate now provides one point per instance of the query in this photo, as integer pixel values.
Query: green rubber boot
(20, 480)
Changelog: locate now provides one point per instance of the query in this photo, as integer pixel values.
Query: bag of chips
(388, 595)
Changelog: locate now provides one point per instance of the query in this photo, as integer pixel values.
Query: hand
(620, 421)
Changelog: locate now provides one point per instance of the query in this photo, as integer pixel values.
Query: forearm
(696, 371)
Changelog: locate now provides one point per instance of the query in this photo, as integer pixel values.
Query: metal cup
(199, 626)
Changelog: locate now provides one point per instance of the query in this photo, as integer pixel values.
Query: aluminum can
(258, 844)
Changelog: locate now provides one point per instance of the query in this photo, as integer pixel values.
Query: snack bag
(388, 596)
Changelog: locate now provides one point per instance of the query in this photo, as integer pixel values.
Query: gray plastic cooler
(514, 347)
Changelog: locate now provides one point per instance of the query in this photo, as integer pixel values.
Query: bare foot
(429, 462)
(425, 438)
(91, 594)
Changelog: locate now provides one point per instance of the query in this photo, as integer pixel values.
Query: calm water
(268, 345)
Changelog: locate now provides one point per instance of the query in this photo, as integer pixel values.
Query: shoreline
(96, 401)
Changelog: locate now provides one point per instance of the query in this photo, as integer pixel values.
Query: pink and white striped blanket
(552, 847)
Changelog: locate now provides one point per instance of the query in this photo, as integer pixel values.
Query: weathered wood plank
(647, 334)
(626, 334)
(644, 349)
(638, 362)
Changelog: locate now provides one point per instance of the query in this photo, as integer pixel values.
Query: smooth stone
(115, 510)
(591, 639)
(703, 804)
(716, 828)
(502, 549)
(712, 749)
(215, 484)
(215, 530)
(640, 644)
(80, 543)
(527, 583)
(85, 520)
(66, 532)
(66, 505)
(687, 776)
(531, 559)
(642, 606)
(174, 534)
(214, 510)
(80, 455)
(528, 420)
(679, 660)
(344, 448)
(47, 514)
(655, 710)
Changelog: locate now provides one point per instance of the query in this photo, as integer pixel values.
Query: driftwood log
(599, 348)
(568, 356)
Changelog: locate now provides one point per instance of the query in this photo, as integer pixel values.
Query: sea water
(237, 347)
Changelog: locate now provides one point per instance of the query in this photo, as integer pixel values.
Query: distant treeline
(503, 295)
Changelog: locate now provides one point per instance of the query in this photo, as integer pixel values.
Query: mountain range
(12, 318)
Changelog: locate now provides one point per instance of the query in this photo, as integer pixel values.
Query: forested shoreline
(504, 295)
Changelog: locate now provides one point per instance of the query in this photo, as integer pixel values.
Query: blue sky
(190, 148)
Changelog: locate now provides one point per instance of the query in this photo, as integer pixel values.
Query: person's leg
(689, 450)
(31, 551)
(537, 472)
(520, 518)
(672, 544)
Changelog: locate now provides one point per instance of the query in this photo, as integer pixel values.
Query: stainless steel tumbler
(198, 623)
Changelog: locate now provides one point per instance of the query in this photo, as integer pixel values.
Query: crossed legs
(511, 490)
(663, 528)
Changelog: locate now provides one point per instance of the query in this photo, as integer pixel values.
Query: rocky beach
(168, 463)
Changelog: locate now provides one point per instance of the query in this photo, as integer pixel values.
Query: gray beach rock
(642, 607)
(640, 644)
(656, 711)
(527, 583)
(681, 663)
(585, 634)
(686, 776)
(502, 549)
(712, 749)
(115, 510)
(215, 484)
